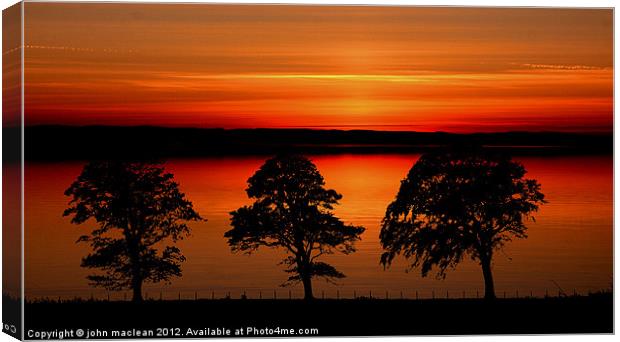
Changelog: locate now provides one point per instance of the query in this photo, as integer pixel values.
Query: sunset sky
(389, 68)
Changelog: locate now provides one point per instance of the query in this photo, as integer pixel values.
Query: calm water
(570, 243)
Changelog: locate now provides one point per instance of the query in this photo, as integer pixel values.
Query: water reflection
(571, 242)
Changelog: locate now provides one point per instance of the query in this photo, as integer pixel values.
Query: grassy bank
(589, 314)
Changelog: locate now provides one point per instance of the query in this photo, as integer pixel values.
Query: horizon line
(340, 128)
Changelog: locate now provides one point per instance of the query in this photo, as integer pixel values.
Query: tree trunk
(136, 276)
(134, 262)
(307, 281)
(137, 290)
(489, 288)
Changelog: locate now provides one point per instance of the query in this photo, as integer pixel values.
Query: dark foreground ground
(592, 314)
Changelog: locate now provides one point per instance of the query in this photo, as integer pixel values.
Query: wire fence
(289, 294)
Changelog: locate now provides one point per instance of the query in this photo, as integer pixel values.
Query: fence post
(546, 293)
(212, 295)
(574, 292)
(179, 295)
(504, 294)
(531, 294)
(416, 295)
(195, 295)
(354, 295)
(447, 295)
(401, 295)
(517, 294)
(387, 296)
(370, 294)
(260, 294)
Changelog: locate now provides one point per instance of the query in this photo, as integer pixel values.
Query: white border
(472, 3)
(486, 3)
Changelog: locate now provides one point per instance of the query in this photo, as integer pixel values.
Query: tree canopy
(137, 207)
(457, 203)
(293, 211)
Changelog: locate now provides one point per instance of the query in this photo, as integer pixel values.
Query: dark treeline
(104, 142)
(452, 204)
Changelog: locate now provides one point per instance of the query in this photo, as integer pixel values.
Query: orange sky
(426, 69)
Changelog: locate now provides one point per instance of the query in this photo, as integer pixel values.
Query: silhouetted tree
(137, 206)
(293, 211)
(456, 203)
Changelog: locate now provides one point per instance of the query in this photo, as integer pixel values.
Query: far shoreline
(57, 143)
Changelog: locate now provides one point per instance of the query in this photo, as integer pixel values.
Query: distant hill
(88, 142)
